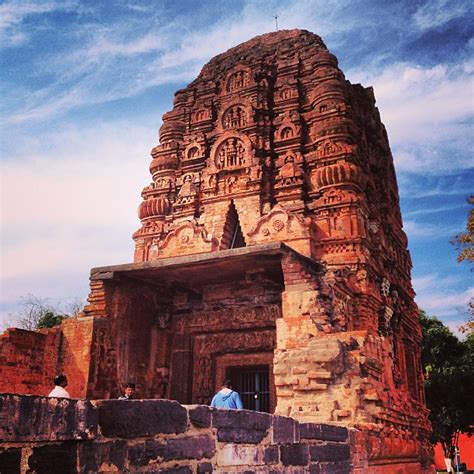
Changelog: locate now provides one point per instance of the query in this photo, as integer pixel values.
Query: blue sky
(84, 85)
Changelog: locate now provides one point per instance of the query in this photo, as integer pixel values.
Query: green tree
(464, 241)
(50, 319)
(36, 313)
(449, 382)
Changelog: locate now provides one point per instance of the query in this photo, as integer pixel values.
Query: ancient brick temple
(271, 252)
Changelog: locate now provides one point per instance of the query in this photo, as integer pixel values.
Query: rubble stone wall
(47, 435)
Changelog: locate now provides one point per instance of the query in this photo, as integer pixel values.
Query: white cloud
(74, 205)
(432, 210)
(440, 302)
(428, 113)
(12, 15)
(419, 229)
(434, 281)
(438, 12)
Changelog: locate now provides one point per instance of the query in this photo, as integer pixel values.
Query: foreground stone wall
(50, 435)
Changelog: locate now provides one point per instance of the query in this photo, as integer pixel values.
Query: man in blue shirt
(226, 397)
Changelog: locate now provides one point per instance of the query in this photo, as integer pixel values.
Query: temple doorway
(253, 385)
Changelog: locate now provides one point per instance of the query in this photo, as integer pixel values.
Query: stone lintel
(208, 268)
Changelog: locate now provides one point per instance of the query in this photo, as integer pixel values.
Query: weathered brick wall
(48, 435)
(28, 360)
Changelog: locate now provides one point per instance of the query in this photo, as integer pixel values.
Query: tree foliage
(464, 241)
(37, 313)
(449, 381)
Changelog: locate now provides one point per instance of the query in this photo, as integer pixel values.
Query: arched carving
(200, 115)
(279, 225)
(231, 154)
(331, 148)
(232, 151)
(288, 127)
(238, 80)
(235, 116)
(286, 133)
(187, 238)
(193, 150)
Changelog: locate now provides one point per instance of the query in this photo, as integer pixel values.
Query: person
(226, 397)
(59, 390)
(128, 392)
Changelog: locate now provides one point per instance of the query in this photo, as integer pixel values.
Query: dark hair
(130, 385)
(227, 383)
(59, 379)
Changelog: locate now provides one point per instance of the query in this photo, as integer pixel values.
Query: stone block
(200, 416)
(323, 432)
(314, 469)
(137, 418)
(344, 467)
(330, 452)
(175, 470)
(53, 458)
(237, 455)
(32, 418)
(285, 430)
(193, 447)
(94, 454)
(241, 426)
(294, 454)
(271, 455)
(204, 468)
(10, 460)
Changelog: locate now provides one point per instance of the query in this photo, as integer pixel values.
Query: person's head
(129, 389)
(227, 384)
(60, 380)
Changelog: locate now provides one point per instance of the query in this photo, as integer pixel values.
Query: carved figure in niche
(160, 382)
(200, 115)
(163, 318)
(238, 80)
(285, 93)
(187, 191)
(385, 287)
(286, 133)
(193, 153)
(204, 378)
(163, 183)
(235, 117)
(230, 183)
(231, 154)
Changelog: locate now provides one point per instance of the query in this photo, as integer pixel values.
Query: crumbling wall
(29, 360)
(47, 435)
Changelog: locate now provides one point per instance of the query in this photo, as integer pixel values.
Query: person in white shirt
(60, 382)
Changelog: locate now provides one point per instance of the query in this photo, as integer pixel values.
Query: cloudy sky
(84, 85)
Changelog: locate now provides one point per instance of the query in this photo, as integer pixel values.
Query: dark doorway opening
(233, 236)
(253, 385)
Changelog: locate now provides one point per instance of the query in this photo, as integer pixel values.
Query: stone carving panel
(279, 225)
(235, 116)
(238, 80)
(187, 238)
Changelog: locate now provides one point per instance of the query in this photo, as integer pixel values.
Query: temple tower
(271, 251)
